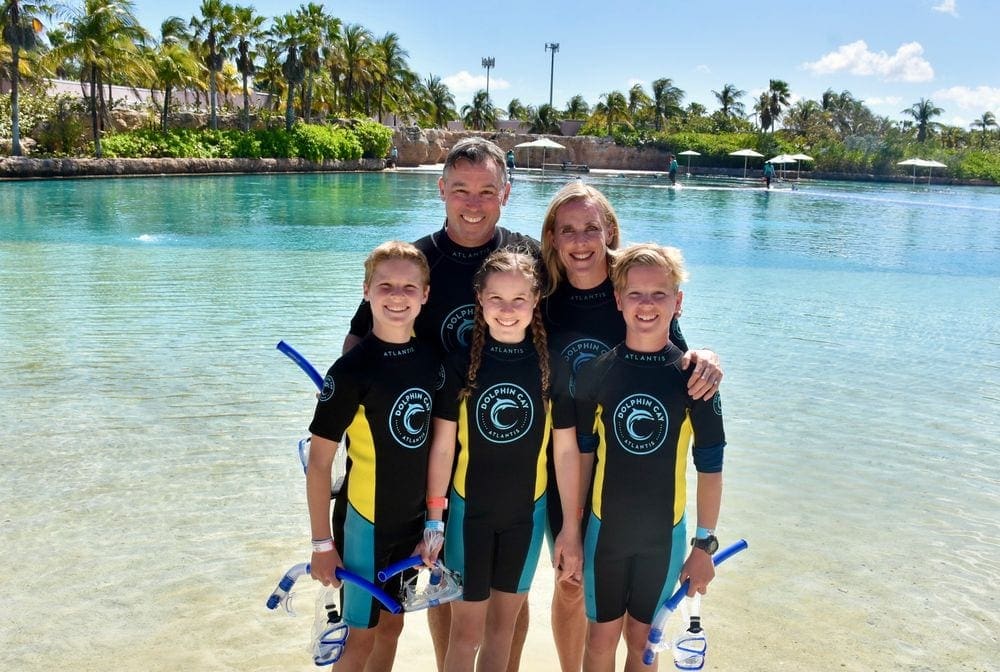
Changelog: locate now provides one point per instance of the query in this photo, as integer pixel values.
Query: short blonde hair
(574, 191)
(397, 249)
(668, 259)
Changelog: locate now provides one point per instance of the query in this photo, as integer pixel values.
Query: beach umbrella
(800, 157)
(746, 154)
(689, 153)
(922, 163)
(544, 143)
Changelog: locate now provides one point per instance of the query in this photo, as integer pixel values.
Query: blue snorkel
(656, 630)
(280, 594)
(303, 363)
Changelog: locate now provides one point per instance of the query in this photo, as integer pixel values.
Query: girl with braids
(500, 403)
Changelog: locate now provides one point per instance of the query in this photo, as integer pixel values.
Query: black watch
(709, 544)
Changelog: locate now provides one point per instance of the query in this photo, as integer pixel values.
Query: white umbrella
(746, 154)
(544, 143)
(800, 157)
(689, 153)
(923, 163)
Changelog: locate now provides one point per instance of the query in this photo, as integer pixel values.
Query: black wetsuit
(634, 409)
(381, 395)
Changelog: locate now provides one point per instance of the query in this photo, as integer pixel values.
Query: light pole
(553, 47)
(488, 62)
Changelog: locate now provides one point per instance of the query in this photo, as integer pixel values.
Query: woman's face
(581, 238)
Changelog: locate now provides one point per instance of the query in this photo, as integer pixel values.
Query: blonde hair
(397, 249)
(668, 259)
(507, 261)
(574, 191)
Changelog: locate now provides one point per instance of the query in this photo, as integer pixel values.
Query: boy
(380, 394)
(633, 407)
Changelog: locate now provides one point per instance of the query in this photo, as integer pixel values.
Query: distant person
(393, 158)
(673, 168)
(510, 162)
(633, 409)
(768, 174)
(382, 521)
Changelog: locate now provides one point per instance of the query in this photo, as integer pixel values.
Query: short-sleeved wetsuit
(445, 322)
(636, 408)
(496, 515)
(381, 394)
(583, 324)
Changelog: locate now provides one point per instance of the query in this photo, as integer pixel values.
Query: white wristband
(322, 545)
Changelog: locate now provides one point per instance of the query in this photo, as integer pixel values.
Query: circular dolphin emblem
(641, 424)
(456, 329)
(504, 413)
(410, 418)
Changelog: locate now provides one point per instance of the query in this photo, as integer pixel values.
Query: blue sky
(890, 53)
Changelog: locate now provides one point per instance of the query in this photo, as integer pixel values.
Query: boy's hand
(323, 566)
(699, 569)
(567, 556)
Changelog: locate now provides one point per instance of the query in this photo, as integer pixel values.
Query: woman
(579, 234)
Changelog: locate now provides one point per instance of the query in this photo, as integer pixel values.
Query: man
(474, 187)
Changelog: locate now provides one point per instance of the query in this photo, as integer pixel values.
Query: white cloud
(465, 82)
(979, 99)
(884, 100)
(906, 65)
(947, 7)
(703, 69)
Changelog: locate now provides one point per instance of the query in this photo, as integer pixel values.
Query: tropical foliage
(310, 65)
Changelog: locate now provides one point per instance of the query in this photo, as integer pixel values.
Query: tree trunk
(93, 111)
(246, 104)
(166, 107)
(289, 115)
(15, 113)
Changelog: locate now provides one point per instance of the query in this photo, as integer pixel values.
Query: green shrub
(375, 138)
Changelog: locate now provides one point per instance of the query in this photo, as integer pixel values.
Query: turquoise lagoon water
(150, 493)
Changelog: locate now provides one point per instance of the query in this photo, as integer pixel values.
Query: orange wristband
(437, 502)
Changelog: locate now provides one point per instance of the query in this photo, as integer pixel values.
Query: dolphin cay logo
(640, 424)
(328, 388)
(410, 418)
(578, 353)
(504, 413)
(456, 330)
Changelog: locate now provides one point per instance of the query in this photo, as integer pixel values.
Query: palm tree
(288, 31)
(922, 113)
(174, 64)
(20, 27)
(729, 100)
(313, 25)
(355, 56)
(440, 101)
(100, 34)
(516, 109)
(480, 114)
(391, 66)
(778, 96)
(762, 108)
(985, 122)
(215, 17)
(614, 109)
(546, 120)
(638, 102)
(577, 108)
(666, 100)
(247, 28)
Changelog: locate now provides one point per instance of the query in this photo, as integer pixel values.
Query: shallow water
(151, 497)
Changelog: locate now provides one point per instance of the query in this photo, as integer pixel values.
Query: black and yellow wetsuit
(381, 394)
(445, 322)
(633, 407)
(583, 324)
(496, 516)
